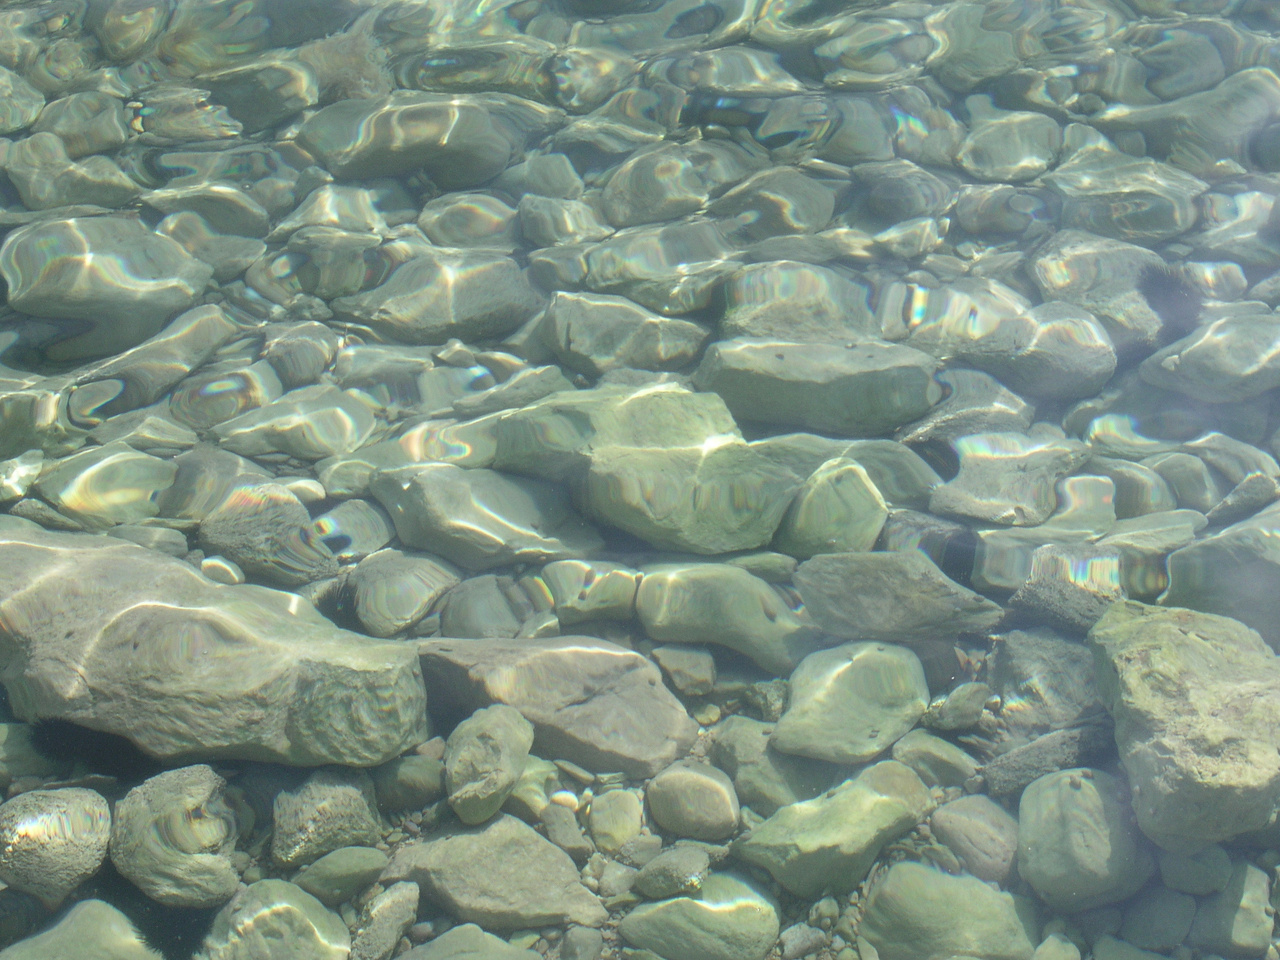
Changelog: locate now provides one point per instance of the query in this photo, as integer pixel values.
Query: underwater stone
(53, 840)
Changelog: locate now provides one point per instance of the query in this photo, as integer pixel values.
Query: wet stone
(22, 102)
(725, 605)
(616, 819)
(471, 220)
(677, 871)
(851, 702)
(479, 518)
(731, 920)
(693, 800)
(393, 590)
(340, 874)
(332, 808)
(1201, 873)
(595, 333)
(483, 607)
(1238, 920)
(354, 529)
(483, 759)
(267, 532)
(1007, 145)
(107, 312)
(271, 911)
(795, 301)
(900, 597)
(45, 177)
(1158, 919)
(383, 921)
(103, 486)
(590, 590)
(92, 930)
(830, 842)
(836, 510)
(54, 840)
(408, 783)
(1229, 359)
(504, 876)
(937, 762)
(468, 942)
(982, 835)
(861, 390)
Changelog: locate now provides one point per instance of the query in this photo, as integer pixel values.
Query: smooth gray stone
(1007, 145)
(677, 871)
(982, 835)
(974, 53)
(22, 103)
(264, 92)
(471, 220)
(1158, 919)
(595, 332)
(268, 913)
(1007, 478)
(332, 808)
(1077, 844)
(484, 607)
(563, 829)
(340, 874)
(976, 403)
(408, 783)
(693, 800)
(961, 708)
(173, 836)
(763, 778)
(898, 472)
(103, 486)
(51, 841)
(788, 300)
(732, 920)
(572, 689)
(384, 921)
(1180, 684)
(781, 200)
(937, 762)
(481, 519)
(172, 543)
(549, 221)
(470, 294)
(915, 911)
(583, 590)
(46, 177)
(1070, 586)
(723, 604)
(1230, 359)
(836, 510)
(288, 685)
(90, 930)
(581, 943)
(1237, 921)
(899, 597)
(859, 390)
(468, 942)
(483, 758)
(309, 423)
(672, 268)
(850, 703)
(831, 841)
(393, 590)
(616, 819)
(268, 533)
(503, 875)
(1045, 682)
(225, 207)
(156, 279)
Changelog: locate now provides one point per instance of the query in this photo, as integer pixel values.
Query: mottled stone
(503, 875)
(332, 808)
(52, 841)
(572, 689)
(267, 532)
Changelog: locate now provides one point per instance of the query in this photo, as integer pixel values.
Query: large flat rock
(115, 637)
(1196, 701)
(590, 701)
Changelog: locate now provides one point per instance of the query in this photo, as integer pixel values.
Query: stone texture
(51, 841)
(731, 920)
(573, 690)
(503, 876)
(693, 800)
(483, 758)
(331, 809)
(265, 914)
(1196, 699)
(91, 930)
(97, 628)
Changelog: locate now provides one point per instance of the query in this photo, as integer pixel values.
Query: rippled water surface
(678, 479)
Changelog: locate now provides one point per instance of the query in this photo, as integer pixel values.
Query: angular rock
(392, 590)
(504, 876)
(1238, 920)
(479, 518)
(830, 842)
(468, 942)
(859, 390)
(898, 596)
(1196, 700)
(572, 689)
(851, 702)
(915, 912)
(107, 485)
(276, 681)
(938, 762)
(339, 875)
(731, 920)
(787, 300)
(309, 423)
(384, 921)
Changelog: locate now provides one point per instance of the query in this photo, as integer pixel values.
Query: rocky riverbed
(649, 479)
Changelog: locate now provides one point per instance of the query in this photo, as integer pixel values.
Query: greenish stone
(91, 930)
(733, 920)
(483, 759)
(693, 800)
(532, 791)
(272, 912)
(898, 472)
(897, 596)
(616, 818)
(678, 871)
(1109, 948)
(830, 842)
(717, 497)
(468, 942)
(915, 912)
(981, 834)
(851, 702)
(1201, 873)
(19, 756)
(594, 333)
(1194, 697)
(1237, 921)
(861, 389)
(764, 778)
(723, 604)
(408, 783)
(555, 437)
(837, 510)
(960, 709)
(1158, 919)
(590, 590)
(340, 874)
(334, 807)
(938, 762)
(103, 486)
(1077, 844)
